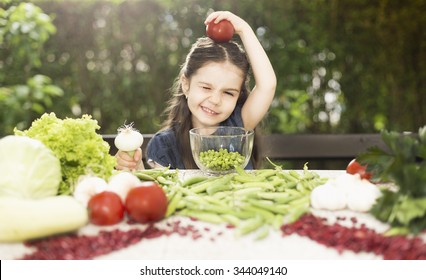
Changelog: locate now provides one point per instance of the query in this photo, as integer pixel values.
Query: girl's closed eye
(205, 87)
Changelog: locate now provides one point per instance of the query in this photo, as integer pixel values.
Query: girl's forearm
(263, 71)
(260, 99)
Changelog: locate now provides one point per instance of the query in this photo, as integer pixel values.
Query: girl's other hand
(126, 162)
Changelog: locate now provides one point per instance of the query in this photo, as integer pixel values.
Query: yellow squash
(25, 219)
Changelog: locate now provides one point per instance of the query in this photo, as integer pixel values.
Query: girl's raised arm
(260, 99)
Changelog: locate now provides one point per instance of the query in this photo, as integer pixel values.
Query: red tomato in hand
(105, 208)
(220, 32)
(146, 203)
(355, 167)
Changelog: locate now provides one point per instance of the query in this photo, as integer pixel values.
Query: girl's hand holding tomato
(221, 26)
(221, 31)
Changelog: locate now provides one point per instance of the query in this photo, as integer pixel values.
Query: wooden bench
(317, 146)
(303, 147)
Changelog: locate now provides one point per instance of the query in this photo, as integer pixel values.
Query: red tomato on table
(220, 32)
(146, 203)
(355, 167)
(105, 208)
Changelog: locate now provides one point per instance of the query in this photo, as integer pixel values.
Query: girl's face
(212, 92)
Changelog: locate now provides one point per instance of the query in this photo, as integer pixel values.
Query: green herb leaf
(404, 164)
(410, 209)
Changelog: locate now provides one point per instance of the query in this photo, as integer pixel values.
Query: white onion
(128, 139)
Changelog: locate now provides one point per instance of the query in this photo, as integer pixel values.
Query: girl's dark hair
(203, 51)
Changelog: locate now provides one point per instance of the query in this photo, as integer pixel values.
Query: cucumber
(25, 219)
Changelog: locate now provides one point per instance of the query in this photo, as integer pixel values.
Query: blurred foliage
(343, 66)
(24, 95)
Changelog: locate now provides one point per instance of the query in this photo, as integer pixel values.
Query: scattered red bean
(73, 246)
(357, 239)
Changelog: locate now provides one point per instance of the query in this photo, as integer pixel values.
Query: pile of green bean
(253, 201)
(221, 160)
(163, 176)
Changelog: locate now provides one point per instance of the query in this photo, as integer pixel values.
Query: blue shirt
(163, 148)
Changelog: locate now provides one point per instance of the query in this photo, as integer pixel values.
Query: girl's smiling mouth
(208, 111)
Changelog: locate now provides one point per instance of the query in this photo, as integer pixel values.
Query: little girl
(211, 90)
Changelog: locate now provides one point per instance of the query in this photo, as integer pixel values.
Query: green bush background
(349, 66)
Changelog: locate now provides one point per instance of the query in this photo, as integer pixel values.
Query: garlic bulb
(121, 183)
(346, 191)
(328, 197)
(363, 197)
(88, 186)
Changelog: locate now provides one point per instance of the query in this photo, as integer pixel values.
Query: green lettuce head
(75, 142)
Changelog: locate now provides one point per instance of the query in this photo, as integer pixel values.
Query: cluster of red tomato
(144, 203)
(355, 167)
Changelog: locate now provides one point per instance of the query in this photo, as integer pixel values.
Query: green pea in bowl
(221, 149)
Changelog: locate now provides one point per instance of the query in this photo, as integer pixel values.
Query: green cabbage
(77, 145)
(28, 168)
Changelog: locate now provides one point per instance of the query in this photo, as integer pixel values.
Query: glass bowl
(220, 149)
